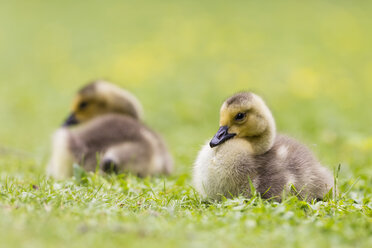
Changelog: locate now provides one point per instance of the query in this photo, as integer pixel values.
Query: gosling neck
(263, 142)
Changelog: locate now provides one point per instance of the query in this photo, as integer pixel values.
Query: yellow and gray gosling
(105, 130)
(247, 148)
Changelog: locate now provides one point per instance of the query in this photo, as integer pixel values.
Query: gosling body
(256, 154)
(112, 140)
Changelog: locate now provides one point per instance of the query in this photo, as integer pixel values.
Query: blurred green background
(310, 60)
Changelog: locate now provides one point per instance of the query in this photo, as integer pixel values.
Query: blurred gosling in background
(105, 129)
(247, 147)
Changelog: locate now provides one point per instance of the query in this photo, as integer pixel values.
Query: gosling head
(100, 98)
(245, 115)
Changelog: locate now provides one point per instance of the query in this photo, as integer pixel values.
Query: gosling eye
(240, 116)
(83, 105)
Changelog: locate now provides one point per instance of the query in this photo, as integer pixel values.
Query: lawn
(311, 61)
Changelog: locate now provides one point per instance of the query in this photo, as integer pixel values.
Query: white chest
(223, 170)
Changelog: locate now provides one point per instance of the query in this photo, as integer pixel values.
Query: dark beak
(71, 120)
(221, 136)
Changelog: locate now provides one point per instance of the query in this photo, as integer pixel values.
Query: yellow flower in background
(139, 65)
(134, 68)
(368, 75)
(361, 143)
(233, 78)
(304, 83)
(366, 144)
(342, 33)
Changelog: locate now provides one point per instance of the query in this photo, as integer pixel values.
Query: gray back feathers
(287, 163)
(123, 140)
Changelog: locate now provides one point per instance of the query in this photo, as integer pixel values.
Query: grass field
(311, 61)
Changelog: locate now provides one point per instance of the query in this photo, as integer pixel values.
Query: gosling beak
(71, 120)
(221, 136)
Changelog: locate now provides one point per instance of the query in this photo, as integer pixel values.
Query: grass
(310, 61)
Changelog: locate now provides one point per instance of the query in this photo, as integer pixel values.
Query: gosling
(247, 151)
(105, 130)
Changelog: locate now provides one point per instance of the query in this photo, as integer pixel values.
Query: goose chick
(247, 149)
(105, 130)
